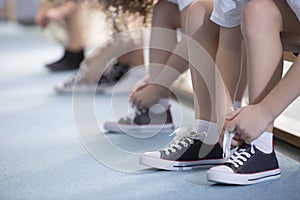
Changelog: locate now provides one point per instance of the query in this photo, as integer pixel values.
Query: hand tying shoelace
(240, 156)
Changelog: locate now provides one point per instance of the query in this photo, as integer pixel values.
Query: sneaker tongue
(243, 147)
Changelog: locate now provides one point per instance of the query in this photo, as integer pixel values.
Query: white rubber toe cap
(222, 168)
(153, 154)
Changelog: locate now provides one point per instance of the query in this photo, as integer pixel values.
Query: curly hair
(140, 7)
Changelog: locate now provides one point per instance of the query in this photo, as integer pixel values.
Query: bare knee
(197, 14)
(260, 15)
(166, 13)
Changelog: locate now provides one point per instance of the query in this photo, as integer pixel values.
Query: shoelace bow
(240, 156)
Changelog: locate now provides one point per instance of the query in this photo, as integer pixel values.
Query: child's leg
(72, 14)
(261, 30)
(192, 18)
(193, 148)
(74, 22)
(229, 57)
(207, 35)
(242, 80)
(261, 27)
(167, 16)
(228, 60)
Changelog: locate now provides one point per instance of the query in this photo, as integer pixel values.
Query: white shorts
(182, 4)
(228, 13)
(295, 6)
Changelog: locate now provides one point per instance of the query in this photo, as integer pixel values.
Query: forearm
(285, 92)
(175, 66)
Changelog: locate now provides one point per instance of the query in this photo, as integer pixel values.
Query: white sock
(164, 102)
(237, 105)
(210, 128)
(265, 142)
(161, 106)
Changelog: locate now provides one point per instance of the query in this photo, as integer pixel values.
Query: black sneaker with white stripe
(186, 151)
(142, 122)
(248, 165)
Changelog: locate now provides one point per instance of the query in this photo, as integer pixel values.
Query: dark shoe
(142, 121)
(70, 60)
(248, 165)
(185, 152)
(113, 74)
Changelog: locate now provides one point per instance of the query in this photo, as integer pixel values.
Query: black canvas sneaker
(248, 165)
(142, 121)
(186, 151)
(69, 61)
(110, 77)
(113, 74)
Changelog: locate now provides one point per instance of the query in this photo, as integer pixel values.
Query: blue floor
(47, 152)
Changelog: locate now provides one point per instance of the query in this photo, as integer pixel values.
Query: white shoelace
(228, 136)
(239, 157)
(134, 112)
(182, 137)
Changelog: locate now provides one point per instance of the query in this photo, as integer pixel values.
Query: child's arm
(48, 13)
(251, 121)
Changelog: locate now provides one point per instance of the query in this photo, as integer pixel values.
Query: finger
(232, 115)
(244, 137)
(230, 126)
(140, 87)
(134, 102)
(235, 143)
(237, 137)
(131, 96)
(248, 140)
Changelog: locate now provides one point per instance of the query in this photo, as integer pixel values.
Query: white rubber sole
(138, 130)
(82, 90)
(125, 85)
(241, 179)
(160, 163)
